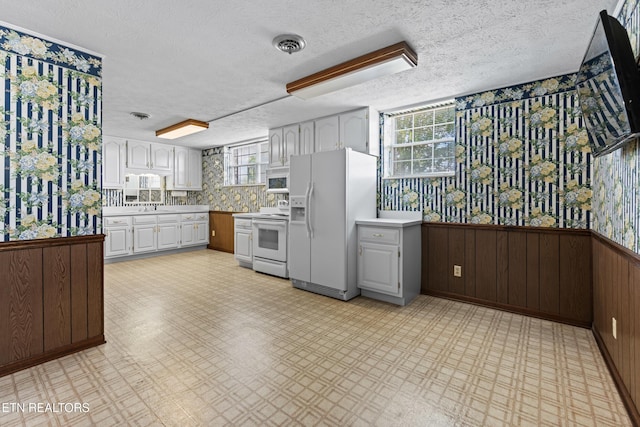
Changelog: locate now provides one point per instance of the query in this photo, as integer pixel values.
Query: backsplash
(249, 198)
(522, 159)
(115, 197)
(50, 139)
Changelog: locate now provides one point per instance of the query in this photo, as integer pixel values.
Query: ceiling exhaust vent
(289, 43)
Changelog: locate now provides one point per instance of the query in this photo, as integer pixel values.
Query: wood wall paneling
(424, 273)
(456, 246)
(57, 296)
(20, 305)
(634, 281)
(95, 289)
(486, 275)
(78, 293)
(222, 224)
(438, 258)
(533, 271)
(502, 267)
(46, 289)
(517, 272)
(469, 268)
(549, 273)
(575, 277)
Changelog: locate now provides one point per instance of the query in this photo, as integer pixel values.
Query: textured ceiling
(206, 59)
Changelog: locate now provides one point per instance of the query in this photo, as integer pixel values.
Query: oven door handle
(271, 225)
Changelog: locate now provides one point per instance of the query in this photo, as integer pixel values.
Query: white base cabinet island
(389, 252)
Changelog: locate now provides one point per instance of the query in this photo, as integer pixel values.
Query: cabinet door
(116, 242)
(201, 235)
(354, 130)
(326, 134)
(306, 145)
(378, 268)
(290, 138)
(276, 149)
(144, 238)
(187, 234)
(138, 155)
(243, 246)
(168, 235)
(180, 168)
(113, 159)
(194, 181)
(161, 157)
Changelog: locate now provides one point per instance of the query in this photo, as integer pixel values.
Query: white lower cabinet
(194, 229)
(146, 233)
(389, 259)
(168, 232)
(243, 242)
(117, 241)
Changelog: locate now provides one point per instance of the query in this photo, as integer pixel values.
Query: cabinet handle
(378, 235)
(151, 164)
(360, 250)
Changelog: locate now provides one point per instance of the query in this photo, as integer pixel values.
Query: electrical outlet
(213, 233)
(457, 271)
(614, 327)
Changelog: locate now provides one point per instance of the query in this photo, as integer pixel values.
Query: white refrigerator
(328, 191)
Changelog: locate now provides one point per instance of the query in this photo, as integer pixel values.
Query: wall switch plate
(457, 271)
(213, 233)
(614, 327)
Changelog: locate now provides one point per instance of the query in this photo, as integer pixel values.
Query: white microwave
(277, 181)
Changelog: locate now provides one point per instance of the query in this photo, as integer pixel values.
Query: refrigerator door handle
(309, 209)
(306, 209)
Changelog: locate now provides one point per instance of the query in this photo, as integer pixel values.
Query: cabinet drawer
(167, 218)
(117, 221)
(145, 219)
(379, 235)
(188, 217)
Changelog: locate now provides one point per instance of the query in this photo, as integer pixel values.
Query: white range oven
(270, 244)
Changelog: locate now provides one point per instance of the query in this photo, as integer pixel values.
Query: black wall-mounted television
(608, 87)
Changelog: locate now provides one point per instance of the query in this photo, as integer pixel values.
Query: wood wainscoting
(51, 299)
(541, 272)
(221, 231)
(616, 294)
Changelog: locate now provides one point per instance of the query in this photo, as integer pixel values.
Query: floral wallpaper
(522, 159)
(219, 197)
(616, 176)
(50, 138)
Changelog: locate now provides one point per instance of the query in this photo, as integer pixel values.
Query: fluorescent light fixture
(184, 128)
(389, 60)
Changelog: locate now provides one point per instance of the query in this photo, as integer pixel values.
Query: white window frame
(389, 142)
(232, 170)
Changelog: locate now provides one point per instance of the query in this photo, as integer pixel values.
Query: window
(246, 164)
(420, 142)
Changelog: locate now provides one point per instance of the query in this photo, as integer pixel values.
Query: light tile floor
(195, 340)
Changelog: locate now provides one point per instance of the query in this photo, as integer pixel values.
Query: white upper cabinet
(307, 137)
(161, 157)
(358, 129)
(327, 134)
(283, 143)
(187, 170)
(276, 149)
(138, 155)
(113, 160)
(147, 156)
(290, 139)
(354, 130)
(194, 173)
